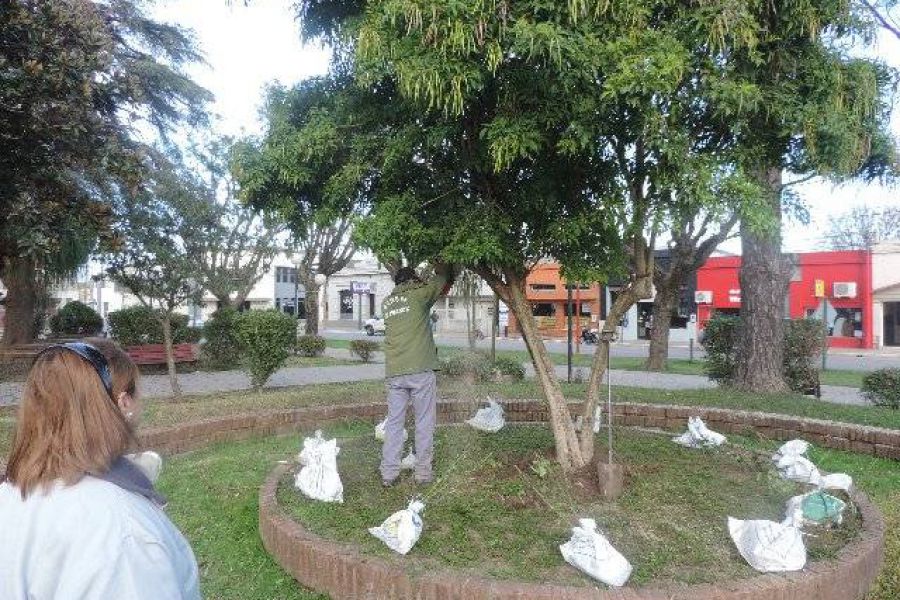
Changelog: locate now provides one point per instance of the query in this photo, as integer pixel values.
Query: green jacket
(408, 344)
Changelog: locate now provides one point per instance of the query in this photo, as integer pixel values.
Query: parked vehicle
(374, 325)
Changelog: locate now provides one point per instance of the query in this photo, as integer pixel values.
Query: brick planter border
(343, 572)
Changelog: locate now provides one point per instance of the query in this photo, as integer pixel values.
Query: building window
(346, 297)
(543, 309)
(846, 323)
(543, 287)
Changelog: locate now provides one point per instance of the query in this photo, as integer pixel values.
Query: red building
(836, 286)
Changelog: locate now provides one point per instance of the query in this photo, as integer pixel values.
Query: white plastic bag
(318, 477)
(149, 462)
(310, 447)
(798, 468)
(592, 554)
(793, 465)
(768, 547)
(490, 418)
(836, 481)
(699, 435)
(401, 530)
(791, 448)
(408, 462)
(379, 431)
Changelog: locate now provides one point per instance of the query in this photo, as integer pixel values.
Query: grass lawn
(501, 507)
(214, 491)
(319, 361)
(678, 366)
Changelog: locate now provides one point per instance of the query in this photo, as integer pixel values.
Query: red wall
(720, 275)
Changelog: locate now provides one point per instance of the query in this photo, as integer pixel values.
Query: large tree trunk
(567, 449)
(663, 305)
(312, 308)
(764, 283)
(166, 323)
(23, 290)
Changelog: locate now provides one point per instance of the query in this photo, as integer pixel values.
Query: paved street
(202, 382)
(837, 359)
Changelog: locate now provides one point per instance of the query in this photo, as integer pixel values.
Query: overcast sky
(248, 47)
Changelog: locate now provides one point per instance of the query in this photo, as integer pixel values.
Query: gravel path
(204, 382)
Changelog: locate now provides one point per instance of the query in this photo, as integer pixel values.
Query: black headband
(93, 356)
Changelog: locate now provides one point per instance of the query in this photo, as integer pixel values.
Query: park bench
(155, 354)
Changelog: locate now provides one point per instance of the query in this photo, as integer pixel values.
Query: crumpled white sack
(592, 554)
(798, 468)
(768, 547)
(836, 481)
(408, 462)
(401, 530)
(149, 462)
(791, 463)
(490, 418)
(379, 431)
(318, 477)
(310, 447)
(699, 435)
(791, 448)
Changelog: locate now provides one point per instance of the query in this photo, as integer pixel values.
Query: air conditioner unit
(845, 289)
(703, 297)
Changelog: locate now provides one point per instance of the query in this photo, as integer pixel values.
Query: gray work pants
(421, 388)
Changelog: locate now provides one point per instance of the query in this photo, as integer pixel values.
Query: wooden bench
(155, 354)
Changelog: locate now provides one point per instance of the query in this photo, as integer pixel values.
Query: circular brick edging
(343, 572)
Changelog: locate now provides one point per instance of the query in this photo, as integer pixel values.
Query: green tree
(802, 102)
(77, 75)
(153, 261)
(233, 244)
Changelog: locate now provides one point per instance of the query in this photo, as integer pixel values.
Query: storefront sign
(820, 288)
(362, 287)
(734, 295)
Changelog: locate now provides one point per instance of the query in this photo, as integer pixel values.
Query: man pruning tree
(410, 361)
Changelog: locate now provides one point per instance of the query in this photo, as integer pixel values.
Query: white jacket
(91, 541)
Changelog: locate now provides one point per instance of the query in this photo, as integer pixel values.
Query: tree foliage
(862, 227)
(78, 76)
(233, 244)
(498, 135)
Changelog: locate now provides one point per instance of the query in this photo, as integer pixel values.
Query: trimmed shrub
(310, 345)
(804, 340)
(364, 349)
(139, 325)
(720, 342)
(268, 337)
(508, 369)
(471, 365)
(76, 318)
(882, 387)
(222, 348)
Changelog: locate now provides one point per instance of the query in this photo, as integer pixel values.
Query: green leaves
(267, 337)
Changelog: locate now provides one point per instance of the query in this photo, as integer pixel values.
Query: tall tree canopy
(500, 134)
(79, 77)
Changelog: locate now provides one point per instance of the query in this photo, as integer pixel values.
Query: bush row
(804, 340)
(139, 325)
(477, 366)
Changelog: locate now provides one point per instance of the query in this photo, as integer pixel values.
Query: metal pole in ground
(494, 321)
(609, 413)
(569, 331)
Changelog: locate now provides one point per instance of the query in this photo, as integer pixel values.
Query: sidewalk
(205, 382)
